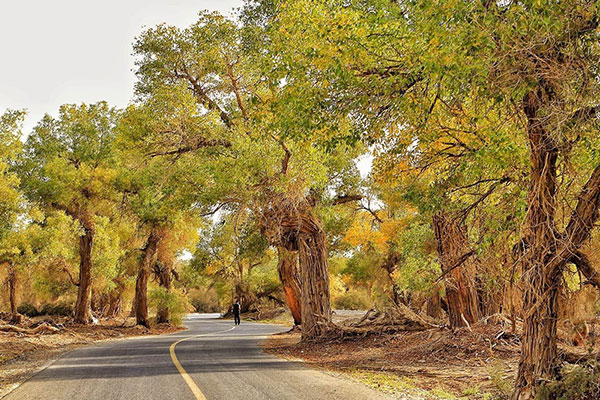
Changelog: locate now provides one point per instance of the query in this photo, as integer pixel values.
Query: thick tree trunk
(312, 255)
(390, 265)
(140, 303)
(459, 267)
(290, 280)
(294, 227)
(538, 360)
(12, 293)
(165, 278)
(82, 312)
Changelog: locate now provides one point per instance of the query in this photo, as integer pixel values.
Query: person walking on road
(236, 312)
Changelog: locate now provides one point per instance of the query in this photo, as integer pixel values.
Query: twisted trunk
(459, 266)
(538, 360)
(312, 256)
(294, 227)
(545, 251)
(82, 312)
(290, 280)
(140, 303)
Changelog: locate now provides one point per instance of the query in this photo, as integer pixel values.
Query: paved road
(216, 362)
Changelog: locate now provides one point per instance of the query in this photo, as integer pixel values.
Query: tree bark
(12, 292)
(433, 305)
(312, 255)
(459, 266)
(82, 312)
(538, 360)
(293, 226)
(290, 280)
(140, 303)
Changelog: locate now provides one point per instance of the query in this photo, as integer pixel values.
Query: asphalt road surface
(211, 360)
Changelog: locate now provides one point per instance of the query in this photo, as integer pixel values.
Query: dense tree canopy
(234, 174)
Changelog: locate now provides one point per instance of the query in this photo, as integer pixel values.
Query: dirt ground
(475, 363)
(23, 355)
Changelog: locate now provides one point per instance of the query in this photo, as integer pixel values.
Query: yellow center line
(188, 379)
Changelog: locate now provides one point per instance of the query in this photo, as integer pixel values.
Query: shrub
(28, 310)
(60, 309)
(351, 300)
(204, 301)
(502, 386)
(576, 382)
(175, 301)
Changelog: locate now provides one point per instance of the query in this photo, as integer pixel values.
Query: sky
(73, 51)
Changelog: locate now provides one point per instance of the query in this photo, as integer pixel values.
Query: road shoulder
(24, 356)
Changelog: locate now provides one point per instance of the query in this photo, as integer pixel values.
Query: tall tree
(68, 165)
(519, 75)
(10, 200)
(158, 190)
(274, 177)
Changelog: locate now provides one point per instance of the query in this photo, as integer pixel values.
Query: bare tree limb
(346, 198)
(584, 266)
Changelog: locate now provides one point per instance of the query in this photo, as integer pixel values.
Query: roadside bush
(352, 300)
(577, 382)
(59, 309)
(28, 310)
(204, 301)
(174, 300)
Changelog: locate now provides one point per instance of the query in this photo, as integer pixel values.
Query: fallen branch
(43, 328)
(379, 322)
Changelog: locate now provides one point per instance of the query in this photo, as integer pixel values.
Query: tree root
(380, 322)
(43, 328)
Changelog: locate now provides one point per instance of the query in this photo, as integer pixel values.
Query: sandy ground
(432, 364)
(479, 362)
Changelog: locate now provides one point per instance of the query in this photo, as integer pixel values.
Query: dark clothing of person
(236, 313)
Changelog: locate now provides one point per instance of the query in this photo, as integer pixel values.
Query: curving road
(208, 361)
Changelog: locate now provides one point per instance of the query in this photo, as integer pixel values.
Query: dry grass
(469, 363)
(437, 363)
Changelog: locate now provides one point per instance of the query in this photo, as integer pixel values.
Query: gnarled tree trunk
(294, 227)
(540, 305)
(312, 256)
(459, 267)
(140, 302)
(290, 280)
(82, 312)
(545, 251)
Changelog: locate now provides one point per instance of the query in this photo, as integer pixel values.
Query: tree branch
(346, 198)
(584, 266)
(73, 281)
(203, 97)
(286, 158)
(460, 262)
(201, 143)
(583, 217)
(373, 213)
